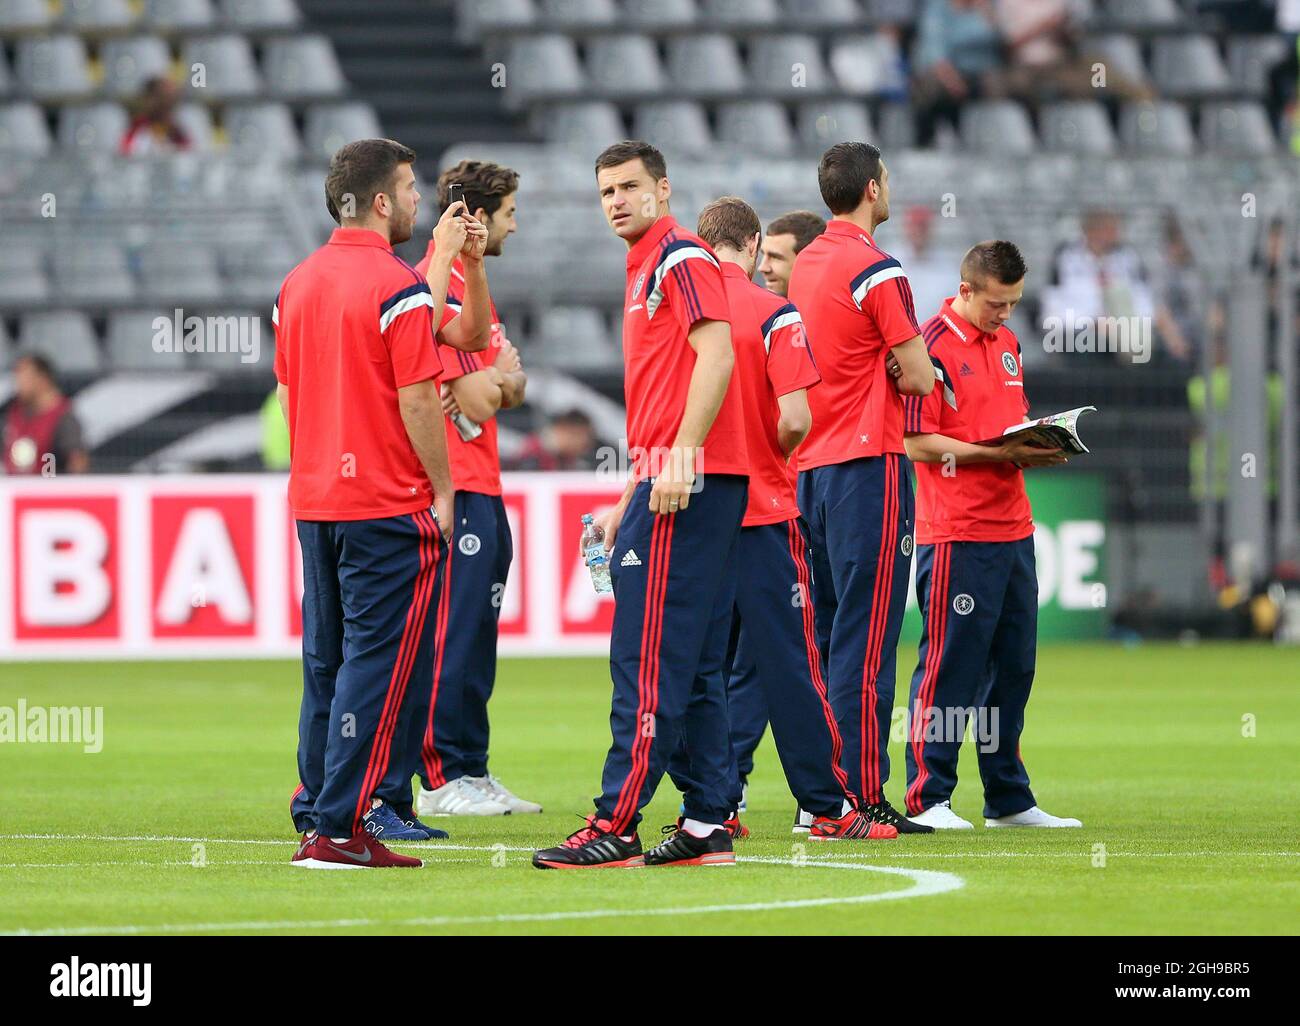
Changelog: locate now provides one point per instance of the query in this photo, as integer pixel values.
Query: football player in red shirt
(371, 491)
(453, 763)
(854, 487)
(672, 537)
(976, 580)
(773, 610)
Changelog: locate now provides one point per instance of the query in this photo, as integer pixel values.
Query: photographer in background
(41, 433)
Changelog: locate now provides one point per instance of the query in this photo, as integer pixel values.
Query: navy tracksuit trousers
(774, 608)
(452, 715)
(746, 703)
(979, 602)
(860, 516)
(674, 589)
(370, 600)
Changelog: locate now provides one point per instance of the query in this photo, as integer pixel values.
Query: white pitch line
(925, 883)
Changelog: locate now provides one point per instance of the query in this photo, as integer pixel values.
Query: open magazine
(1059, 431)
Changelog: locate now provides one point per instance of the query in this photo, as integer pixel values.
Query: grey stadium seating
(577, 14)
(545, 65)
(624, 66)
(758, 126)
(588, 125)
(173, 16)
(21, 16)
(302, 67)
(262, 127)
(739, 14)
(23, 129)
(788, 65)
(92, 271)
(260, 15)
(706, 65)
(822, 123)
(226, 65)
(653, 15)
(53, 67)
(329, 125)
(838, 14)
(1160, 127)
(23, 280)
(997, 126)
(96, 16)
(65, 336)
(181, 272)
(129, 62)
(1188, 67)
(92, 127)
(1241, 129)
(1080, 126)
(128, 342)
(678, 126)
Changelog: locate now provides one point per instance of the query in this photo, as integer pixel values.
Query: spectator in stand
(41, 433)
(155, 128)
(1094, 281)
(932, 272)
(568, 442)
(1044, 59)
(1187, 314)
(957, 56)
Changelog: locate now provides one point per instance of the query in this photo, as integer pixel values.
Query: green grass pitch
(180, 824)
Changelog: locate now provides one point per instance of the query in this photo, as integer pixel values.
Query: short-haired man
(42, 434)
(854, 489)
(975, 581)
(787, 236)
(773, 616)
(453, 749)
(371, 491)
(673, 535)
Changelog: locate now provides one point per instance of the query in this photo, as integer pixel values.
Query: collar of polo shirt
(961, 327)
(653, 236)
(358, 237)
(836, 226)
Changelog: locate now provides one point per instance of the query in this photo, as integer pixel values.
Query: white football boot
(802, 822)
(460, 797)
(941, 817)
(498, 792)
(1032, 817)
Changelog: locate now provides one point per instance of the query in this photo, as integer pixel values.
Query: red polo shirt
(673, 282)
(772, 360)
(353, 325)
(979, 392)
(857, 305)
(476, 464)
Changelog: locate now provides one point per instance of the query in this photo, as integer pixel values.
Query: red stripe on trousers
(432, 758)
(814, 654)
(936, 626)
(381, 748)
(881, 597)
(648, 680)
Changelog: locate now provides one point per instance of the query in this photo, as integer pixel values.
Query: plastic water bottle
(593, 551)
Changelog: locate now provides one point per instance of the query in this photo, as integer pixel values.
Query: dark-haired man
(975, 582)
(773, 616)
(371, 491)
(452, 752)
(672, 537)
(854, 487)
(787, 236)
(41, 433)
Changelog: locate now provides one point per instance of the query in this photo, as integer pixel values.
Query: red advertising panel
(204, 583)
(66, 567)
(582, 611)
(514, 601)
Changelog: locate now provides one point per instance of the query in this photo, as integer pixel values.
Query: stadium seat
(473, 16)
(575, 336)
(66, 337)
(179, 272)
(1080, 126)
(787, 65)
(1250, 58)
(260, 15)
(822, 13)
(6, 79)
(302, 67)
(22, 16)
(1118, 52)
(674, 125)
(53, 67)
(562, 15)
(262, 127)
(895, 13)
(585, 125)
(90, 17)
(1239, 129)
(757, 126)
(128, 342)
(544, 65)
(196, 119)
(92, 271)
(92, 127)
(23, 130)
(997, 126)
(1188, 67)
(656, 15)
(1160, 127)
(254, 273)
(739, 14)
(23, 281)
(705, 65)
(330, 125)
(860, 64)
(824, 123)
(1143, 15)
(232, 362)
(896, 126)
(130, 62)
(171, 16)
(229, 71)
(624, 66)
(6, 343)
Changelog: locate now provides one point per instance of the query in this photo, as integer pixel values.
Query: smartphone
(455, 194)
